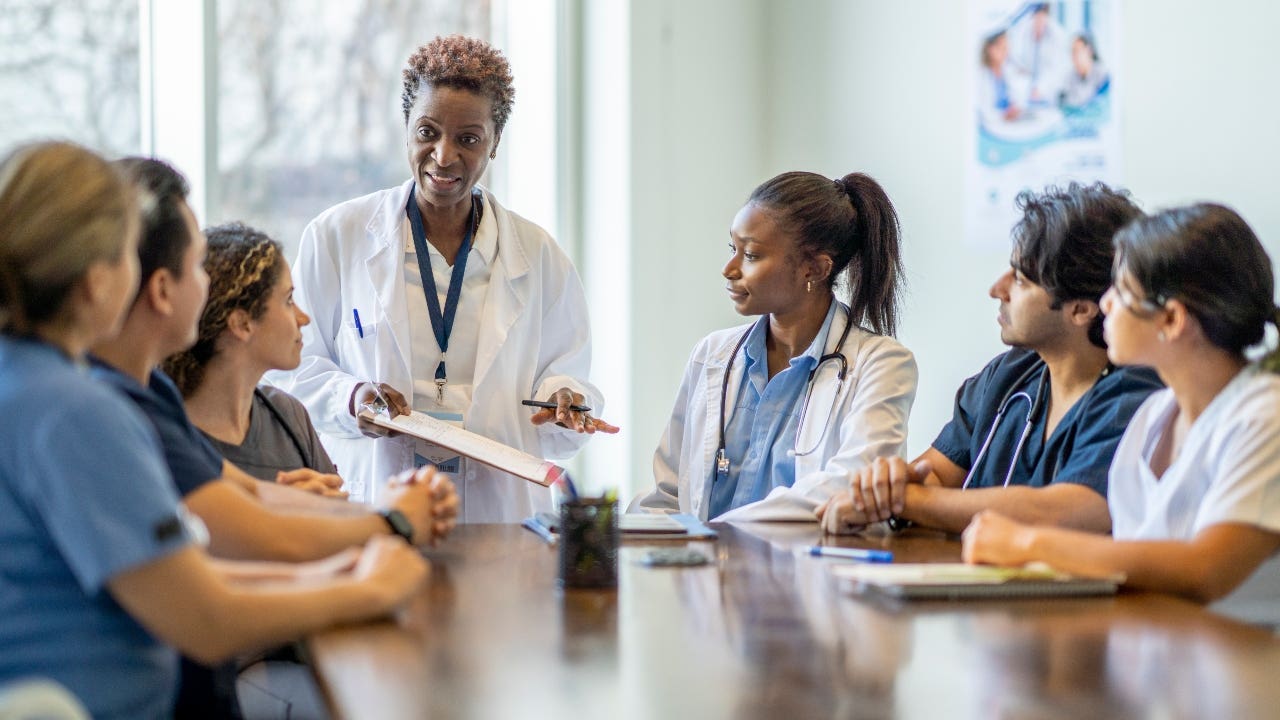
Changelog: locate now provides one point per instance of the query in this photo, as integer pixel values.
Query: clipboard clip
(378, 405)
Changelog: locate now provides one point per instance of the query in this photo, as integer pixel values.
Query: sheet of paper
(464, 442)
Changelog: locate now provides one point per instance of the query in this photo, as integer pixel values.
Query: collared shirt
(762, 427)
(1081, 446)
(465, 337)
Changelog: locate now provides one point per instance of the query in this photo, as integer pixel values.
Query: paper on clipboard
(469, 444)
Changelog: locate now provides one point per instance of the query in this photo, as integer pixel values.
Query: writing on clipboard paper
(469, 444)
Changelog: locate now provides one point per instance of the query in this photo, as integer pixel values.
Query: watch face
(400, 524)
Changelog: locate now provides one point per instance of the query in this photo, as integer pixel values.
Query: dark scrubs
(1081, 447)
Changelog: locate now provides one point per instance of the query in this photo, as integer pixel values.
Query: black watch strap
(899, 523)
(399, 524)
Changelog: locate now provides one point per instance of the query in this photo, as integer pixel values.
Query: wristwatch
(399, 524)
(898, 524)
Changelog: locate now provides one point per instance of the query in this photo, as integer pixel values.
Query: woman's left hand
(993, 539)
(565, 417)
(307, 479)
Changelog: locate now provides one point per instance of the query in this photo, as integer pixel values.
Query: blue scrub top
(1081, 447)
(762, 428)
(84, 496)
(192, 460)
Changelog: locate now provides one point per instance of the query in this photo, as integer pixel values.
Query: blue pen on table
(552, 406)
(540, 530)
(874, 556)
(356, 315)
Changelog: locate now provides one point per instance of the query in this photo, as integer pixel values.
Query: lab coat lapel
(715, 374)
(385, 264)
(507, 295)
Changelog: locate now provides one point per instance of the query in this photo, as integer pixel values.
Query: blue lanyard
(441, 323)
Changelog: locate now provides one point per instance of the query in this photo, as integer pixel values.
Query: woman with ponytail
(1195, 482)
(773, 416)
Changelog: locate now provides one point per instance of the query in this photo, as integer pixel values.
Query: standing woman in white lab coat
(443, 301)
(773, 417)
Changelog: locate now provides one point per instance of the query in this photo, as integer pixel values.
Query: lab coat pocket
(360, 332)
(357, 346)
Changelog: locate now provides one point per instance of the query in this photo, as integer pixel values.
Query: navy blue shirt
(1082, 445)
(192, 460)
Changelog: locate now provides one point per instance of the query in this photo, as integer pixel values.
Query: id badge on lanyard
(441, 318)
(444, 459)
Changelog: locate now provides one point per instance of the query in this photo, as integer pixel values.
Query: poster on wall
(1043, 104)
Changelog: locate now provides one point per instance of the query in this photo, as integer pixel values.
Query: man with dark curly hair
(434, 298)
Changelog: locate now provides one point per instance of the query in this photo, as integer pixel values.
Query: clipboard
(468, 444)
(960, 581)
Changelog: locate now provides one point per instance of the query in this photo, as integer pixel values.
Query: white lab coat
(534, 339)
(869, 421)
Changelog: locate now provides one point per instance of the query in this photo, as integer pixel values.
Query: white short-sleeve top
(1228, 470)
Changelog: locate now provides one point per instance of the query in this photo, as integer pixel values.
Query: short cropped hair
(463, 63)
(165, 238)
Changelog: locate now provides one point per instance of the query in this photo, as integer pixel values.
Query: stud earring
(493, 155)
(808, 286)
(1160, 336)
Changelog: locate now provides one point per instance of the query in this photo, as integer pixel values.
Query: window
(69, 70)
(308, 107)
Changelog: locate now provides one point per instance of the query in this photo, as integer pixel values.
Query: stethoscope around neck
(1010, 397)
(837, 355)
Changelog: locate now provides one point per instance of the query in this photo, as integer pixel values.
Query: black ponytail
(853, 221)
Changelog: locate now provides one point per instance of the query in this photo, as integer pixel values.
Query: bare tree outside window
(309, 102)
(69, 70)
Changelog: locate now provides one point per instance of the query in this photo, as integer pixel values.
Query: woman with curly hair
(250, 325)
(103, 573)
(435, 298)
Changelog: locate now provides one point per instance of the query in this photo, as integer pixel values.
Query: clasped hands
(876, 493)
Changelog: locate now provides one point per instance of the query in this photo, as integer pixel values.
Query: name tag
(444, 459)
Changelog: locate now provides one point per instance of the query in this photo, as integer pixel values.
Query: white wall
(691, 92)
(724, 94)
(878, 85)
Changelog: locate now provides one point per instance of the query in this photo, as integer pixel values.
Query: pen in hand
(553, 406)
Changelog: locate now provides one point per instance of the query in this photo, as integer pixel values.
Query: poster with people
(1043, 104)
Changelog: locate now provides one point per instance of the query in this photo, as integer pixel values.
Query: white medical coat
(869, 421)
(534, 339)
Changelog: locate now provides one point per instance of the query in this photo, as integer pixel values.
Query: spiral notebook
(959, 581)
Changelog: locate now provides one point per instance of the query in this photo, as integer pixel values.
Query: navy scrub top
(1081, 447)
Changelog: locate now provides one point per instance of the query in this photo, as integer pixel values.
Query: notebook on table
(959, 581)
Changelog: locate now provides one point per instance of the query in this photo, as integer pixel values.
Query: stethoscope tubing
(722, 460)
(1033, 406)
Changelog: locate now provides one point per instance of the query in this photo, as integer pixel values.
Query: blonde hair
(62, 209)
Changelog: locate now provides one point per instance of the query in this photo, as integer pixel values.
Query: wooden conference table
(763, 632)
